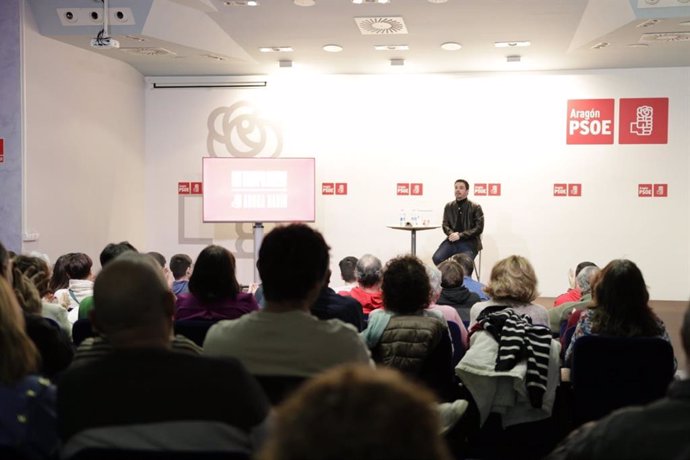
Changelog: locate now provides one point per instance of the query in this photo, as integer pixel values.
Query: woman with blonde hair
(27, 418)
(513, 284)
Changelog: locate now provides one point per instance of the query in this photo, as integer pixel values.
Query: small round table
(413, 233)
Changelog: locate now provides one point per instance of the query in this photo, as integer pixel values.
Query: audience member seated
(284, 339)
(160, 260)
(109, 253)
(38, 272)
(53, 344)
(354, 412)
(181, 269)
(620, 307)
(513, 284)
(472, 285)
(78, 268)
(330, 305)
(27, 401)
(658, 430)
(449, 313)
(347, 274)
(214, 292)
(574, 293)
(143, 396)
(408, 336)
(453, 292)
(58, 277)
(368, 289)
(583, 282)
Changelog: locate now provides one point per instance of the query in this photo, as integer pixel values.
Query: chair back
(613, 372)
(279, 387)
(194, 329)
(81, 330)
(458, 346)
(128, 454)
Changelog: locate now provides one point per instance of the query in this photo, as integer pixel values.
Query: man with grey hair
(369, 274)
(583, 281)
(143, 396)
(658, 430)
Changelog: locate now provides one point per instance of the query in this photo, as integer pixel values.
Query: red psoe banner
(341, 188)
(560, 189)
(643, 121)
(403, 189)
(644, 190)
(590, 121)
(327, 188)
(197, 188)
(183, 188)
(417, 189)
(2, 150)
(574, 189)
(661, 190)
(494, 189)
(480, 190)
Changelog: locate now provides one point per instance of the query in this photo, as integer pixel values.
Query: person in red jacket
(369, 273)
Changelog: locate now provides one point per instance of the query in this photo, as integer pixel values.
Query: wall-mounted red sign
(560, 189)
(661, 190)
(480, 190)
(183, 188)
(197, 188)
(644, 190)
(416, 189)
(643, 121)
(494, 189)
(574, 189)
(403, 189)
(590, 121)
(341, 188)
(327, 188)
(2, 150)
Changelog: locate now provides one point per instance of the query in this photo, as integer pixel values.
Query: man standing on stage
(463, 223)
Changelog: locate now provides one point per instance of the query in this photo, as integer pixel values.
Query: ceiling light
(451, 46)
(332, 48)
(648, 23)
(437, 1)
(511, 44)
(359, 2)
(391, 47)
(214, 57)
(135, 38)
(600, 45)
(276, 49)
(397, 62)
(285, 63)
(513, 58)
(304, 2)
(638, 45)
(241, 3)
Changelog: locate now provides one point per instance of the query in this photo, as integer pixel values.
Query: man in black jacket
(463, 223)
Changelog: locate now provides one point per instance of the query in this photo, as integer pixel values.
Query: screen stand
(258, 237)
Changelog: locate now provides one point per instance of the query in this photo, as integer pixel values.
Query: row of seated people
(295, 344)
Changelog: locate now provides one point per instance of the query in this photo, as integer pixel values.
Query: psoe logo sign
(327, 188)
(403, 189)
(644, 190)
(480, 190)
(590, 121)
(643, 121)
(560, 189)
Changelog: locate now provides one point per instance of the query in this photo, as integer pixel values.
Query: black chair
(613, 372)
(458, 346)
(194, 329)
(81, 330)
(279, 387)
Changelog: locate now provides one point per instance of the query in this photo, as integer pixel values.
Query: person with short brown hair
(355, 412)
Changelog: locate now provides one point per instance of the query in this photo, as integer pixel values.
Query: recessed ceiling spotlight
(285, 63)
(513, 58)
(241, 3)
(451, 46)
(511, 44)
(397, 62)
(391, 47)
(276, 49)
(638, 45)
(360, 2)
(332, 48)
(304, 2)
(437, 1)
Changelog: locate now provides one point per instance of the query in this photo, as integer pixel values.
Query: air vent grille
(381, 26)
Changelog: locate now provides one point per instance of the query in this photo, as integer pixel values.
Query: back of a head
(158, 257)
(583, 265)
(452, 274)
(355, 412)
(36, 270)
(59, 278)
(293, 259)
(513, 278)
(406, 288)
(4, 262)
(347, 269)
(586, 277)
(19, 356)
(179, 264)
(78, 266)
(113, 250)
(465, 262)
(685, 334)
(368, 270)
(214, 278)
(130, 294)
(434, 275)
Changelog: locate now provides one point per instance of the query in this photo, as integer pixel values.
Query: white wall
(84, 147)
(375, 131)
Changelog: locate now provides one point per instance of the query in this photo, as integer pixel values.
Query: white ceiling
(562, 34)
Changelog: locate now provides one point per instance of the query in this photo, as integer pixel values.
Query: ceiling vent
(666, 37)
(148, 51)
(381, 26)
(648, 23)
